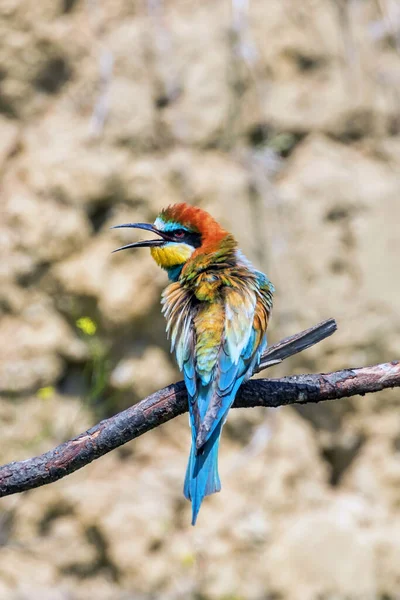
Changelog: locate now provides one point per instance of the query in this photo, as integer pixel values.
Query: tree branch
(170, 402)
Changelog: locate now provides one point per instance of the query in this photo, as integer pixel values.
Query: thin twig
(170, 402)
(297, 343)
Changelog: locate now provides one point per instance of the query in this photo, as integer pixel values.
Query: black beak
(147, 243)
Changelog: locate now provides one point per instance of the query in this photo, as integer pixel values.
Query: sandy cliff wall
(283, 120)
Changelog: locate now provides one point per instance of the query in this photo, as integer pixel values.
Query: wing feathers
(217, 344)
(239, 314)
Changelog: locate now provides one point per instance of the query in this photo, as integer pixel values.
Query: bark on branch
(172, 401)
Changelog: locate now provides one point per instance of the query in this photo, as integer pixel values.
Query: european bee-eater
(217, 309)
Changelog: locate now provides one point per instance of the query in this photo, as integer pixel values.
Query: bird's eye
(179, 233)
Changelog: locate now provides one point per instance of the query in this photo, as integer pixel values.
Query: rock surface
(284, 122)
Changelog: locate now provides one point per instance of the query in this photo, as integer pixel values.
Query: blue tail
(202, 476)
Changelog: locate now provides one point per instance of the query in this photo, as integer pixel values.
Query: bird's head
(184, 232)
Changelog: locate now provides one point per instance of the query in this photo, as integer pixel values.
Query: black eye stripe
(187, 237)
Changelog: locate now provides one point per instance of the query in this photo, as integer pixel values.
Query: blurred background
(282, 118)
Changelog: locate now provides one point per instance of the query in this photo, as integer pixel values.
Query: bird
(217, 308)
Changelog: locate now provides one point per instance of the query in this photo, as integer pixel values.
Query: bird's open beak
(146, 243)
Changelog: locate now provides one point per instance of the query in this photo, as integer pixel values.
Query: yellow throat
(172, 254)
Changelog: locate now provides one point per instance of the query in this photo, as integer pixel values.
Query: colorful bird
(217, 309)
